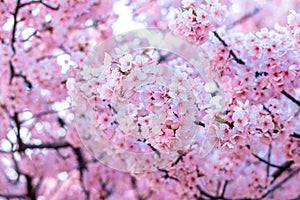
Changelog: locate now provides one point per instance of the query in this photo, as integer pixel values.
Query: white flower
(140, 61)
(86, 72)
(126, 62)
(266, 123)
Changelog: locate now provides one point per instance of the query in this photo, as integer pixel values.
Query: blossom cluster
(230, 131)
(198, 19)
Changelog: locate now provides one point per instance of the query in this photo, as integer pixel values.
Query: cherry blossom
(230, 131)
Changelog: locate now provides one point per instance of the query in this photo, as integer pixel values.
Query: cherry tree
(222, 128)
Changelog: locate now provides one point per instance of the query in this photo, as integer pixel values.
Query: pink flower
(240, 119)
(202, 16)
(126, 62)
(266, 123)
(238, 139)
(104, 120)
(135, 77)
(140, 61)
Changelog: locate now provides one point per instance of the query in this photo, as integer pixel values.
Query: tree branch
(105, 189)
(199, 123)
(285, 166)
(14, 74)
(14, 29)
(297, 102)
(49, 112)
(269, 159)
(280, 183)
(31, 192)
(81, 167)
(234, 56)
(56, 145)
(295, 135)
(266, 162)
(224, 189)
(166, 176)
(204, 193)
(39, 2)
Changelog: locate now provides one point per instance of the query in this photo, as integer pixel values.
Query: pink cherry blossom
(126, 62)
(266, 123)
(225, 127)
(240, 119)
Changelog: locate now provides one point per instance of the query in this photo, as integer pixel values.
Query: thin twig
(295, 135)
(224, 188)
(199, 123)
(269, 159)
(297, 102)
(234, 56)
(285, 166)
(266, 162)
(204, 193)
(14, 29)
(167, 176)
(280, 183)
(39, 2)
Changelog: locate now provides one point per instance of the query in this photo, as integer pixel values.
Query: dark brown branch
(81, 167)
(285, 166)
(295, 135)
(199, 123)
(266, 162)
(179, 158)
(27, 82)
(280, 183)
(163, 58)
(204, 193)
(167, 176)
(39, 2)
(62, 144)
(20, 5)
(220, 39)
(31, 192)
(14, 29)
(269, 160)
(15, 118)
(224, 188)
(234, 56)
(154, 149)
(38, 115)
(14, 74)
(258, 74)
(107, 191)
(54, 145)
(297, 102)
(133, 182)
(49, 57)
(266, 109)
(30, 36)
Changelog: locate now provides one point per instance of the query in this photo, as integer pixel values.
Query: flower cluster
(197, 19)
(230, 131)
